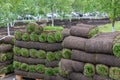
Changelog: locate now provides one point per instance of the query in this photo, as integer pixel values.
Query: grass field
(108, 27)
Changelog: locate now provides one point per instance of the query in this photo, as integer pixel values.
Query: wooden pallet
(19, 77)
(5, 75)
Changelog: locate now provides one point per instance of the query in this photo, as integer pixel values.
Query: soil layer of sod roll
(61, 78)
(50, 77)
(101, 45)
(29, 74)
(52, 63)
(72, 42)
(78, 76)
(85, 31)
(29, 60)
(97, 77)
(7, 40)
(37, 45)
(6, 63)
(97, 58)
(71, 66)
(66, 32)
(5, 47)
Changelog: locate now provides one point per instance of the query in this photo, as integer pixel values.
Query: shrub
(34, 37)
(50, 56)
(24, 67)
(25, 37)
(16, 64)
(66, 53)
(43, 37)
(24, 52)
(18, 35)
(41, 54)
(16, 50)
(89, 70)
(58, 36)
(40, 68)
(31, 27)
(49, 72)
(51, 38)
(32, 68)
(33, 53)
(58, 55)
(3, 57)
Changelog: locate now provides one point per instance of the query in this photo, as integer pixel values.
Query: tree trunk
(8, 29)
(113, 23)
(52, 11)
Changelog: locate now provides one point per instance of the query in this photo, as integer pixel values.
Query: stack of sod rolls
(37, 52)
(95, 58)
(6, 55)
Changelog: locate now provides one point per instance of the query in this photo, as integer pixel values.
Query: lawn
(108, 27)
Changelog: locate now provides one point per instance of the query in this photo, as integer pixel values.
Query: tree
(111, 7)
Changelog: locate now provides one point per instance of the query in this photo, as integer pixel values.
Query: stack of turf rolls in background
(6, 55)
(95, 57)
(38, 51)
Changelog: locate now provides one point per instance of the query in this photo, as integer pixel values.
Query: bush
(31, 27)
(58, 36)
(49, 72)
(33, 53)
(3, 57)
(43, 37)
(41, 54)
(32, 68)
(66, 53)
(34, 37)
(50, 56)
(18, 35)
(25, 37)
(16, 64)
(24, 52)
(40, 68)
(89, 70)
(16, 50)
(102, 70)
(38, 29)
(24, 67)
(58, 55)
(51, 38)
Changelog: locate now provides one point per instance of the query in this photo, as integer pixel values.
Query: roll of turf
(51, 64)
(73, 42)
(5, 47)
(51, 38)
(58, 36)
(43, 37)
(38, 45)
(78, 76)
(71, 66)
(66, 53)
(83, 30)
(7, 40)
(61, 78)
(66, 33)
(97, 77)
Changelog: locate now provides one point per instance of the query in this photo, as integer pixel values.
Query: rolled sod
(7, 40)
(49, 72)
(41, 54)
(102, 70)
(99, 45)
(43, 37)
(58, 55)
(61, 78)
(50, 56)
(32, 53)
(5, 63)
(31, 27)
(24, 67)
(10, 55)
(40, 68)
(58, 36)
(52, 63)
(24, 52)
(82, 56)
(5, 47)
(73, 42)
(38, 29)
(32, 68)
(89, 70)
(25, 37)
(36, 45)
(51, 38)
(3, 57)
(71, 66)
(116, 49)
(78, 76)
(66, 53)
(16, 50)
(18, 35)
(66, 33)
(34, 37)
(3, 70)
(114, 73)
(16, 64)
(84, 30)
(97, 77)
